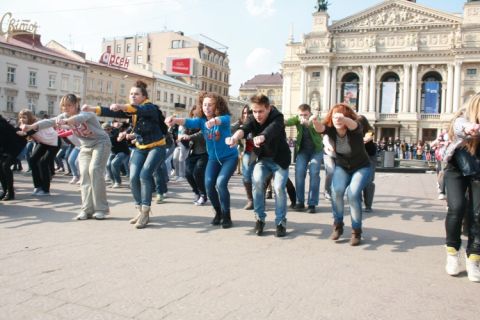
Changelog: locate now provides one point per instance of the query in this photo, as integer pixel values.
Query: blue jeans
(72, 161)
(142, 166)
(262, 170)
(356, 182)
(303, 160)
(114, 164)
(217, 176)
(247, 167)
(160, 178)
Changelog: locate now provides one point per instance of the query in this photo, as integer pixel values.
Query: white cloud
(260, 7)
(260, 60)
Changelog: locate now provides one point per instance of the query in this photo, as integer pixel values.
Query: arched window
(350, 90)
(390, 93)
(431, 93)
(271, 96)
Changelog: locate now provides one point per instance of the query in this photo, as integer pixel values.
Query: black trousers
(42, 162)
(458, 199)
(6, 174)
(196, 165)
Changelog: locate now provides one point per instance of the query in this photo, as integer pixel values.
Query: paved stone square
(181, 267)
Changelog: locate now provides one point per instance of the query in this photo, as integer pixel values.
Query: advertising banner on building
(432, 101)
(179, 66)
(389, 94)
(350, 94)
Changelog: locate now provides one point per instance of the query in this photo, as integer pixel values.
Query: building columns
(456, 86)
(449, 101)
(286, 94)
(326, 92)
(333, 90)
(406, 84)
(372, 98)
(413, 90)
(364, 99)
(303, 76)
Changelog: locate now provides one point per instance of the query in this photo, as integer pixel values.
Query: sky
(255, 31)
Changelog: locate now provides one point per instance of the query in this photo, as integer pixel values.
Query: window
(129, 47)
(90, 85)
(10, 103)
(159, 95)
(471, 72)
(139, 59)
(11, 74)
(122, 89)
(431, 96)
(190, 101)
(316, 74)
(178, 98)
(165, 97)
(76, 85)
(100, 85)
(140, 46)
(171, 97)
(177, 44)
(50, 107)
(109, 87)
(184, 100)
(119, 48)
(52, 81)
(109, 48)
(32, 79)
(390, 93)
(65, 83)
(31, 104)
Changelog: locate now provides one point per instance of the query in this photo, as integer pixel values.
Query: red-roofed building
(267, 84)
(35, 76)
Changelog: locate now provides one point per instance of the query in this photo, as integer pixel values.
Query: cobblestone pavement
(181, 267)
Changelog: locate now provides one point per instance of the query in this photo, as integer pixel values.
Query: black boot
(218, 216)
(227, 220)
(9, 195)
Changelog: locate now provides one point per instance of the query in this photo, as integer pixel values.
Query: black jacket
(10, 142)
(275, 145)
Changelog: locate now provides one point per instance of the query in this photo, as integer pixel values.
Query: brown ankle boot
(356, 237)
(337, 231)
(248, 189)
(137, 216)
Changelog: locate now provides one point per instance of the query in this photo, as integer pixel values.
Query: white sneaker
(453, 261)
(74, 180)
(116, 185)
(99, 215)
(181, 179)
(442, 196)
(473, 267)
(81, 216)
(327, 196)
(42, 193)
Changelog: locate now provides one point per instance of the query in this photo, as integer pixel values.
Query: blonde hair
(70, 98)
(472, 114)
(31, 119)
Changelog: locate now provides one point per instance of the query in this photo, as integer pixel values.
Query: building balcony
(388, 116)
(430, 116)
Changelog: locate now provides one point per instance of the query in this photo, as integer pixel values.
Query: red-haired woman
(352, 169)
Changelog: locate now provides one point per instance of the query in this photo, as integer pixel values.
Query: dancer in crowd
(214, 121)
(273, 156)
(352, 168)
(118, 154)
(95, 148)
(247, 163)
(196, 162)
(462, 174)
(309, 150)
(149, 153)
(11, 145)
(43, 156)
(371, 148)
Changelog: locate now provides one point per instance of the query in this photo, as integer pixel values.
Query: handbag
(469, 165)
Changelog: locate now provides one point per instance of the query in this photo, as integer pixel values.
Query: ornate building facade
(407, 67)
